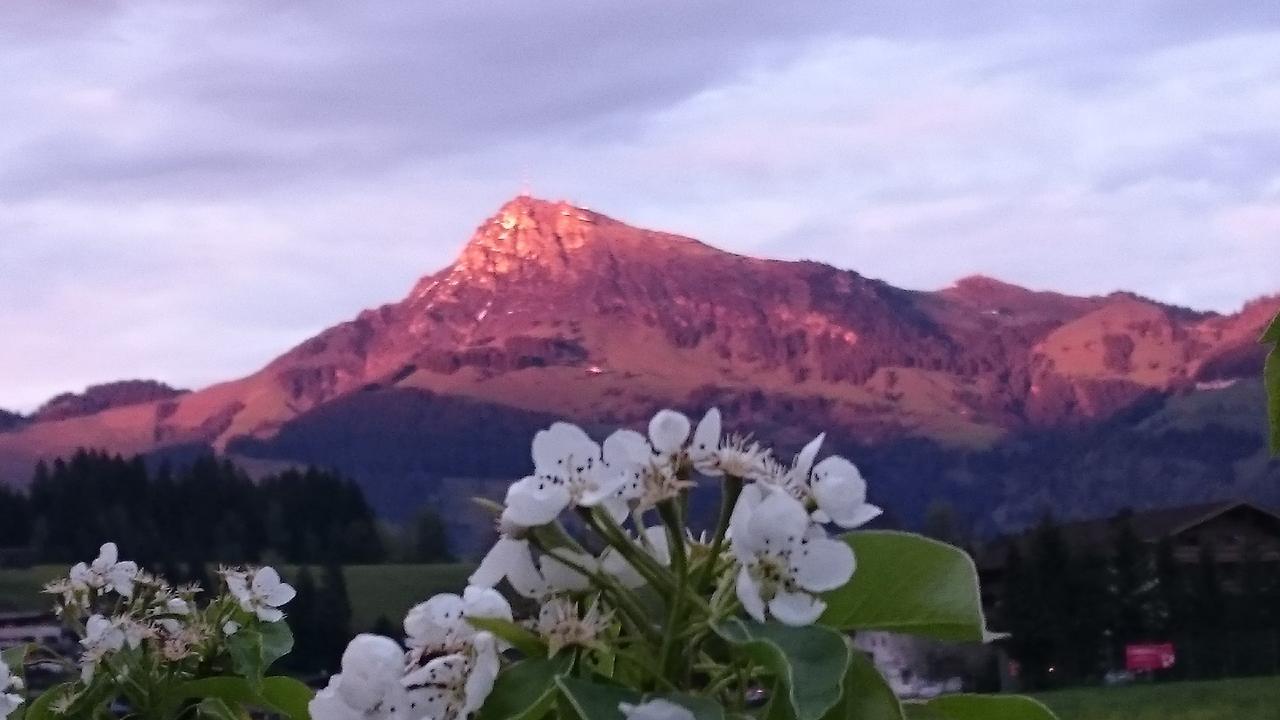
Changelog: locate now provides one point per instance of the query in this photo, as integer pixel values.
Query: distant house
(1232, 531)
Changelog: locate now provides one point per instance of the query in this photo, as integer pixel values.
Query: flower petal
(535, 501)
(706, 438)
(796, 608)
(739, 522)
(485, 602)
(820, 564)
(624, 448)
(555, 447)
(749, 595)
(779, 519)
(668, 430)
(804, 459)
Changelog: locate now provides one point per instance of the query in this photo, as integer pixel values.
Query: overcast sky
(187, 189)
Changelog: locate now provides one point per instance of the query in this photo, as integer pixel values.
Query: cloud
(187, 189)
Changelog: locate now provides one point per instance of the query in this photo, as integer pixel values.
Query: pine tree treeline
(208, 512)
(1071, 612)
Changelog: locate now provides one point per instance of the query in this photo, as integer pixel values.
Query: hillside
(551, 310)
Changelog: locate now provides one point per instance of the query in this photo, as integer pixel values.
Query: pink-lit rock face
(552, 308)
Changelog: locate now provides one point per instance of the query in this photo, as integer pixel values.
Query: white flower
(513, 560)
(568, 471)
(841, 494)
(9, 701)
(562, 625)
(260, 591)
(106, 573)
(657, 709)
(834, 486)
(328, 705)
(230, 627)
(177, 606)
(784, 559)
(102, 636)
(454, 686)
(371, 666)
(735, 455)
(440, 625)
(510, 559)
(640, 472)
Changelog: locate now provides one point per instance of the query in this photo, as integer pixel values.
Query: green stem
(670, 513)
(731, 489)
(618, 594)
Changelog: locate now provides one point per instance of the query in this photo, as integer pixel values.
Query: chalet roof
(1149, 526)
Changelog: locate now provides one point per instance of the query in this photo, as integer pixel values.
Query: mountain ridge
(552, 310)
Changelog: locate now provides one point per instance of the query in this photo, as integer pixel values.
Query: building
(1231, 532)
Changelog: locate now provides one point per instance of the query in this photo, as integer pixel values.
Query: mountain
(97, 398)
(553, 311)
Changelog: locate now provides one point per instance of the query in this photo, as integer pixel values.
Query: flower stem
(670, 513)
(731, 489)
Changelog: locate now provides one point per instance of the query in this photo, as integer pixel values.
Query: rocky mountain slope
(552, 310)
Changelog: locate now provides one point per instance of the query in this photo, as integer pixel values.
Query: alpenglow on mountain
(553, 311)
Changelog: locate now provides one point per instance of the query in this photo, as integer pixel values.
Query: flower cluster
(597, 540)
(136, 626)
(447, 671)
(784, 556)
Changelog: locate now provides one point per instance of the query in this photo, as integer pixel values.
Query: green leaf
(288, 695)
(15, 658)
(909, 584)
(525, 690)
(521, 638)
(866, 694)
(40, 709)
(593, 701)
(216, 709)
(253, 650)
(810, 661)
(277, 641)
(1271, 378)
(279, 694)
(979, 707)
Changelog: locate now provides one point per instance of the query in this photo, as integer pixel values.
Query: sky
(188, 189)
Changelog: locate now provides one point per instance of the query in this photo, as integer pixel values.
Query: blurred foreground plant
(150, 651)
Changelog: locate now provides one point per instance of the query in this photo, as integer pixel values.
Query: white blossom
(562, 625)
(260, 591)
(513, 560)
(106, 572)
(735, 455)
(230, 627)
(833, 488)
(657, 709)
(440, 625)
(568, 471)
(452, 687)
(784, 560)
(9, 682)
(101, 637)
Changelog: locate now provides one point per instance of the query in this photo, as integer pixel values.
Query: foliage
(300, 516)
(163, 652)
(1271, 374)
(633, 616)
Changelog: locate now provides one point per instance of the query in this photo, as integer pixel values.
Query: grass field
(374, 589)
(1236, 699)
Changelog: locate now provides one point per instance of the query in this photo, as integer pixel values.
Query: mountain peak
(527, 231)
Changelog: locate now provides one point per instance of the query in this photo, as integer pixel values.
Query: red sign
(1148, 657)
